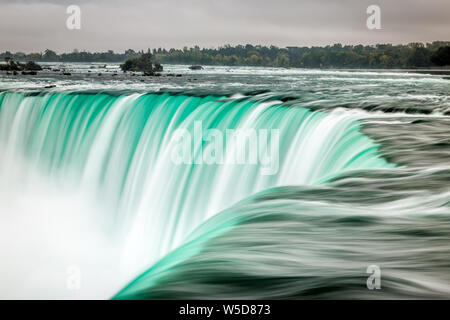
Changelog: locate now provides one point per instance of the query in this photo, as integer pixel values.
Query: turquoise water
(340, 180)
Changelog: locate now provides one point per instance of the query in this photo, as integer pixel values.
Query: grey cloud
(33, 25)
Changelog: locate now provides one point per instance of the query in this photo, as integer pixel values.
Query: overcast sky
(34, 25)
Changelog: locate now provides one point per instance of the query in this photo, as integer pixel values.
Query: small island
(29, 68)
(144, 64)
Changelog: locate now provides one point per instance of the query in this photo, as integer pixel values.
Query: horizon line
(230, 45)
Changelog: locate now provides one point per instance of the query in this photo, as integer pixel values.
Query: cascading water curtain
(113, 156)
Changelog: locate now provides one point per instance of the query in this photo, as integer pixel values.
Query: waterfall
(113, 153)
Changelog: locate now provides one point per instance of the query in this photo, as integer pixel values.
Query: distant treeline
(75, 56)
(413, 55)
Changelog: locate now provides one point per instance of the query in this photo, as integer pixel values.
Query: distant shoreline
(118, 74)
(426, 70)
(337, 56)
(431, 70)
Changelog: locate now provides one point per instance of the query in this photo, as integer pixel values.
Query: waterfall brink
(113, 154)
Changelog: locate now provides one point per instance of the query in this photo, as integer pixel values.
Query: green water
(89, 179)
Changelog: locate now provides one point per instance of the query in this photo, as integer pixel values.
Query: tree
(143, 63)
(419, 56)
(50, 55)
(255, 60)
(441, 57)
(282, 60)
(332, 56)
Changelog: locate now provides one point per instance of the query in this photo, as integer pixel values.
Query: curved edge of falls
(117, 151)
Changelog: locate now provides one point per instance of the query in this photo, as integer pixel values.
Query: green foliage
(75, 56)
(143, 63)
(50, 55)
(419, 56)
(12, 65)
(442, 56)
(336, 56)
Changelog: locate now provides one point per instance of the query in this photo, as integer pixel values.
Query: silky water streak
(244, 146)
(92, 176)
